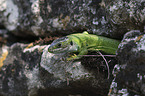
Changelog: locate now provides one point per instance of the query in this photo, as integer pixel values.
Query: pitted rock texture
(129, 73)
(42, 17)
(125, 15)
(34, 71)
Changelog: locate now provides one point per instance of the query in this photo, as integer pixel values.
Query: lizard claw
(72, 57)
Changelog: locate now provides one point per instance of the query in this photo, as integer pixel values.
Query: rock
(23, 71)
(125, 15)
(19, 70)
(39, 18)
(42, 18)
(129, 73)
(71, 75)
(63, 69)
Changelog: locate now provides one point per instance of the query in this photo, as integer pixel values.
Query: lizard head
(60, 45)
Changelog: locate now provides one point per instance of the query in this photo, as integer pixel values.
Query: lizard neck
(76, 43)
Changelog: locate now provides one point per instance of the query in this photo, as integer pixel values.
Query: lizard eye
(59, 45)
(71, 43)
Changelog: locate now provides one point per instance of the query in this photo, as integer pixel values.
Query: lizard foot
(73, 57)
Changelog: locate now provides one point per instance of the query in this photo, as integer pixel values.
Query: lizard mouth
(58, 50)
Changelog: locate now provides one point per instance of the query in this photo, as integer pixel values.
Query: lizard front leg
(82, 52)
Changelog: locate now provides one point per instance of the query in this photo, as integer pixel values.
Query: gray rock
(125, 15)
(41, 18)
(63, 69)
(19, 70)
(24, 72)
(129, 73)
(71, 74)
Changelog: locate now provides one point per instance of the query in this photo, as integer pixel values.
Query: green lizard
(81, 43)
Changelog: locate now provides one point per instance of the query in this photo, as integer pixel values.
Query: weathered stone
(19, 70)
(129, 73)
(23, 71)
(125, 15)
(41, 17)
(72, 75)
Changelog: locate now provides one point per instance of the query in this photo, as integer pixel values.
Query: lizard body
(81, 43)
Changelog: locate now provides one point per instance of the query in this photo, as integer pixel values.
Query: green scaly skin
(82, 43)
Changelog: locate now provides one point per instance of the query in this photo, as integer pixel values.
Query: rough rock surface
(25, 72)
(41, 17)
(19, 70)
(129, 73)
(125, 15)
(72, 75)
